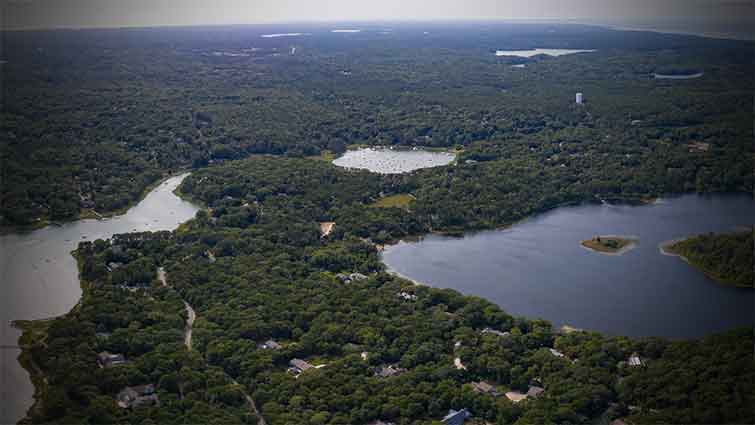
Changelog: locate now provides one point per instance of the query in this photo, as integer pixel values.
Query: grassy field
(403, 201)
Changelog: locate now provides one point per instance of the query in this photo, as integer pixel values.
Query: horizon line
(592, 22)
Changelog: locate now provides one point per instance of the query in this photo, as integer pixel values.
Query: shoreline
(665, 249)
(34, 330)
(89, 213)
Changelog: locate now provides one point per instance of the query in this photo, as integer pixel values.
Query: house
(456, 417)
(458, 364)
(483, 387)
(635, 360)
(515, 396)
(495, 332)
(352, 277)
(535, 391)
(556, 352)
(142, 395)
(388, 371)
(270, 345)
(299, 366)
(357, 277)
(111, 266)
(407, 296)
(106, 359)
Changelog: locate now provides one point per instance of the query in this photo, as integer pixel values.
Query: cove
(538, 269)
(40, 277)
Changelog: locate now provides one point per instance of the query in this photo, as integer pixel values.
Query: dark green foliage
(91, 118)
(275, 278)
(724, 257)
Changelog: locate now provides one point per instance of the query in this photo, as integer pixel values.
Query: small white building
(580, 98)
(635, 360)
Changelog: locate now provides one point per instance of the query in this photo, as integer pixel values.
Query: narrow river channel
(40, 279)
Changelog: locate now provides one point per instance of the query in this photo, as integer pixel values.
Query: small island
(726, 257)
(609, 244)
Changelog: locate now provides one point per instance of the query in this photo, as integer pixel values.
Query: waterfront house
(495, 332)
(456, 417)
(352, 277)
(407, 296)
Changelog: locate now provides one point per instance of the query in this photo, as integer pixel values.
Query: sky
(20, 14)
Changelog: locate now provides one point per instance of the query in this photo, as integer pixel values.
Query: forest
(255, 268)
(725, 257)
(92, 118)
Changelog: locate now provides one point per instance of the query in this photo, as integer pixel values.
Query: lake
(534, 52)
(538, 269)
(393, 161)
(40, 277)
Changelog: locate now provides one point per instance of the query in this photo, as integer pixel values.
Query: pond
(393, 161)
(538, 269)
(691, 76)
(40, 277)
(534, 52)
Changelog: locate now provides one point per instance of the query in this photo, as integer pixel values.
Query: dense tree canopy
(268, 274)
(92, 118)
(725, 257)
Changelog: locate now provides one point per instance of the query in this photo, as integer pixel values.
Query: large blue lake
(538, 269)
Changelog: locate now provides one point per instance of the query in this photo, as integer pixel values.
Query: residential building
(106, 359)
(635, 360)
(388, 371)
(456, 417)
(299, 366)
(270, 345)
(139, 396)
(483, 387)
(535, 391)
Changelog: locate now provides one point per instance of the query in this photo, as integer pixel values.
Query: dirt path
(191, 314)
(191, 317)
(252, 404)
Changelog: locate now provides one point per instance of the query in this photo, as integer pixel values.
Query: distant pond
(534, 52)
(40, 278)
(393, 161)
(686, 76)
(538, 269)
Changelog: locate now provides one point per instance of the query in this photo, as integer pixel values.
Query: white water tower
(580, 98)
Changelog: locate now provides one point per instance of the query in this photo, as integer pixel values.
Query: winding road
(191, 317)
